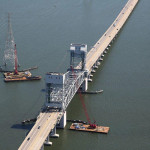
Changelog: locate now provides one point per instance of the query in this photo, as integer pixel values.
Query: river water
(43, 31)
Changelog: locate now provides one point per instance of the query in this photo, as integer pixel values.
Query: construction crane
(92, 125)
(9, 52)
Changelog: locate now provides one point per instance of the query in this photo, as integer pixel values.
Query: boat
(24, 122)
(76, 121)
(91, 92)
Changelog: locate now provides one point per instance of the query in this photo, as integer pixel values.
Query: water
(43, 31)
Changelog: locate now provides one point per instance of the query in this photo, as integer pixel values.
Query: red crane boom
(83, 104)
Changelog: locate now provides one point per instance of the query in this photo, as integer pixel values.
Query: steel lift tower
(60, 88)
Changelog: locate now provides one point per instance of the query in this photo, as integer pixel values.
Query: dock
(86, 128)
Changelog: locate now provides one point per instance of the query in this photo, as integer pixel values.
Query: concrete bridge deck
(100, 46)
(47, 121)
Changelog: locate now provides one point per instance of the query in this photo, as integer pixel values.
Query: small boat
(34, 78)
(29, 121)
(76, 121)
(91, 92)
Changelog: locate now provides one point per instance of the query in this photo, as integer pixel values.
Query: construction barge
(88, 128)
(20, 76)
(23, 79)
(11, 53)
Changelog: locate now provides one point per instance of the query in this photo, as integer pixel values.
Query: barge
(88, 128)
(10, 79)
(20, 76)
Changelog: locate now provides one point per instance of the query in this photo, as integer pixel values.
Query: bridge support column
(85, 85)
(62, 122)
(53, 133)
(95, 66)
(98, 63)
(47, 142)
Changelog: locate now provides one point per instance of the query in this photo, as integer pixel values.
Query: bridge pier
(47, 141)
(90, 75)
(62, 122)
(85, 85)
(98, 63)
(95, 66)
(93, 71)
(53, 133)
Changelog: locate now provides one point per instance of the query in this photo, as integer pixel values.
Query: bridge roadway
(47, 121)
(101, 45)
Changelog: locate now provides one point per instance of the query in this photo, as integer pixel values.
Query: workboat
(92, 92)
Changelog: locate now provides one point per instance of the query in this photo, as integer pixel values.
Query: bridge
(61, 88)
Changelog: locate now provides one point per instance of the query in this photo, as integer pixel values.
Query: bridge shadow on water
(22, 127)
